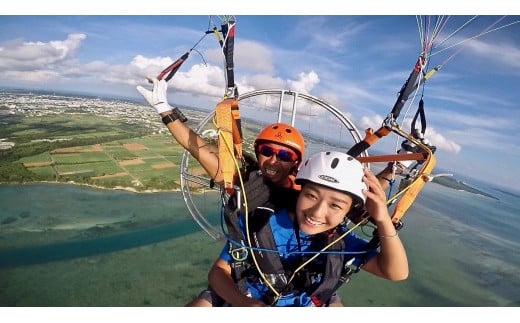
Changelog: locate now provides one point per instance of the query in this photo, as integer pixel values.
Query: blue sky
(355, 62)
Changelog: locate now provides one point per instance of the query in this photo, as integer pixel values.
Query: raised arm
(185, 136)
(391, 261)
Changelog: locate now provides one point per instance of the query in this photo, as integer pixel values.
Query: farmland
(86, 144)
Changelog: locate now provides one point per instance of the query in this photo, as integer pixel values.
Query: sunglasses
(281, 154)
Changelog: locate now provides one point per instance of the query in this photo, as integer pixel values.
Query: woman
(334, 185)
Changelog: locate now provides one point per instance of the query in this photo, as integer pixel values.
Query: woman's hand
(376, 197)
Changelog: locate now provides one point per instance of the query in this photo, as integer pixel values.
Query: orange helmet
(282, 134)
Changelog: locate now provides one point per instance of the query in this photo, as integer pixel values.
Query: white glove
(157, 97)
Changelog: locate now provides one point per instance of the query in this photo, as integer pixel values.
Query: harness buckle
(239, 254)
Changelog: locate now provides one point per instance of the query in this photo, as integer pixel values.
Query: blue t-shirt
(289, 251)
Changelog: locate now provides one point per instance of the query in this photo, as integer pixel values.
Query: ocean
(69, 245)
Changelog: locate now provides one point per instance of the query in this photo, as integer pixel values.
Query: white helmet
(335, 170)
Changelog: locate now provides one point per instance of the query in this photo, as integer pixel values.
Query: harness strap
(224, 123)
(258, 194)
(262, 239)
(240, 254)
(237, 128)
(419, 113)
(413, 189)
(370, 138)
(333, 275)
(228, 44)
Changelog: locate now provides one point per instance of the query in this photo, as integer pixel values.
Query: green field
(89, 149)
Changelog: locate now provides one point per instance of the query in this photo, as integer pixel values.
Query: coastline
(116, 188)
(453, 183)
(448, 182)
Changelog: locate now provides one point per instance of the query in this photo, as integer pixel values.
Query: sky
(356, 60)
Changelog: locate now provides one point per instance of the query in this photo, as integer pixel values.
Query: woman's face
(276, 162)
(319, 208)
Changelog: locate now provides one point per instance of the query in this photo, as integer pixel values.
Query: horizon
(356, 63)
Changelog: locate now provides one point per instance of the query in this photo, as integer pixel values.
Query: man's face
(276, 162)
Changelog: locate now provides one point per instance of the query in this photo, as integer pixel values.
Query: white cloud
(505, 54)
(373, 122)
(37, 56)
(200, 79)
(32, 77)
(157, 63)
(95, 66)
(260, 81)
(441, 142)
(334, 99)
(473, 119)
(479, 138)
(249, 55)
(305, 82)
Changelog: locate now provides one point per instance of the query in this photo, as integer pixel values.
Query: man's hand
(157, 97)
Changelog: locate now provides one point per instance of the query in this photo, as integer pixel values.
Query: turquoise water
(462, 247)
(462, 250)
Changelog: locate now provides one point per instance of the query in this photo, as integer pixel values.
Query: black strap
(408, 87)
(420, 112)
(257, 194)
(332, 276)
(262, 237)
(228, 49)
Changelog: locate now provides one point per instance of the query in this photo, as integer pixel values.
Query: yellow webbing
(411, 191)
(224, 123)
(237, 137)
(227, 118)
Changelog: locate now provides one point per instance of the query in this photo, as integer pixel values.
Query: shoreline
(116, 188)
(448, 183)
